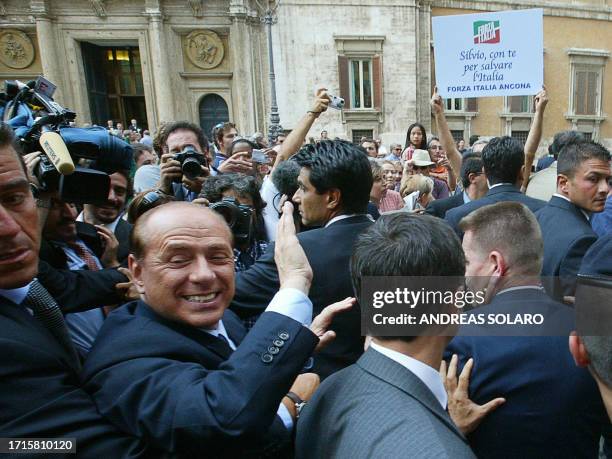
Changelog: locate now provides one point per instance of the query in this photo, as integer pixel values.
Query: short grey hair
(600, 354)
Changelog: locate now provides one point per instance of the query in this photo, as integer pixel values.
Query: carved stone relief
(204, 49)
(16, 49)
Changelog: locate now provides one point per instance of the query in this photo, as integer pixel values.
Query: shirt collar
(466, 197)
(521, 287)
(16, 295)
(337, 218)
(498, 184)
(586, 214)
(220, 330)
(430, 377)
(111, 226)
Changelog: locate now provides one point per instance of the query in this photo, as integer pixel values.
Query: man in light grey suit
(392, 402)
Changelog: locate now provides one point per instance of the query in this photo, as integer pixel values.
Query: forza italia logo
(486, 32)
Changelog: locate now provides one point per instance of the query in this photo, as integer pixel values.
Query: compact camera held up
(336, 102)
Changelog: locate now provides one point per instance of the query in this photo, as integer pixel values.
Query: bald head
(173, 216)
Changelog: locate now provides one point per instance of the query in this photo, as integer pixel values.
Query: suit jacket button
(284, 335)
(266, 358)
(273, 350)
(278, 342)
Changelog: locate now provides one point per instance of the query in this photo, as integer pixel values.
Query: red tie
(84, 254)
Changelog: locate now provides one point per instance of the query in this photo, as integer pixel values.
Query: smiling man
(177, 370)
(109, 214)
(583, 170)
(334, 182)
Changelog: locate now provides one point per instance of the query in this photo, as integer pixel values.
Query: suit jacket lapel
(20, 314)
(400, 377)
(561, 203)
(234, 327)
(210, 342)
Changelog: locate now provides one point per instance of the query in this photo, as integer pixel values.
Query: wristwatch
(298, 402)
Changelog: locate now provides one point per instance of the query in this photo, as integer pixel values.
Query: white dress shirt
(430, 377)
(341, 217)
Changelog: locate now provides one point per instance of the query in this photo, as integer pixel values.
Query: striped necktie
(84, 254)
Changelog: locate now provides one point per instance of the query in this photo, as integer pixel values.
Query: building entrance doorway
(114, 84)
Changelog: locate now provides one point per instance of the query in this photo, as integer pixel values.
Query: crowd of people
(212, 304)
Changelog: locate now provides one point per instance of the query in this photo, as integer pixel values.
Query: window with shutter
(472, 104)
(361, 83)
(586, 91)
(520, 104)
(454, 105)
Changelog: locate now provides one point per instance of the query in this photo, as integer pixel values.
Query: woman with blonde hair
(417, 192)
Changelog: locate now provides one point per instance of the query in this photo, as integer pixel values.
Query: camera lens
(227, 212)
(191, 168)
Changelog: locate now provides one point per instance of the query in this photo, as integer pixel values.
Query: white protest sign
(489, 54)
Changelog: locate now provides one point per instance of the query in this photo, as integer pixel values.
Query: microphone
(55, 148)
(285, 177)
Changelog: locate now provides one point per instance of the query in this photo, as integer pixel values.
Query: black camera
(191, 162)
(239, 217)
(41, 124)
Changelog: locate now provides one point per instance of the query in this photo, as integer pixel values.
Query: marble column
(160, 70)
(243, 88)
(47, 44)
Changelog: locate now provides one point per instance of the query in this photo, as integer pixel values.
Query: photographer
(237, 198)
(185, 147)
(108, 214)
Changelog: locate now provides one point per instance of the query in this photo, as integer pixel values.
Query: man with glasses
(396, 152)
(474, 187)
(442, 169)
(70, 244)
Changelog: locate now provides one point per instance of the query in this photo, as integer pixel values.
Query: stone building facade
(152, 60)
(207, 61)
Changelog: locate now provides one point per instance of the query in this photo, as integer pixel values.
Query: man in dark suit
(597, 261)
(186, 378)
(40, 391)
(474, 187)
(392, 402)
(334, 190)
(583, 170)
(551, 408)
(503, 159)
(73, 245)
(109, 214)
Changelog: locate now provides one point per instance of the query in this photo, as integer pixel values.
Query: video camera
(41, 124)
(238, 217)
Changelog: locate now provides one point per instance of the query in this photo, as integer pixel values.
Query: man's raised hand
(294, 270)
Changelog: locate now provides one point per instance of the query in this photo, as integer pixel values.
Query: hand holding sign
(437, 105)
(540, 100)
